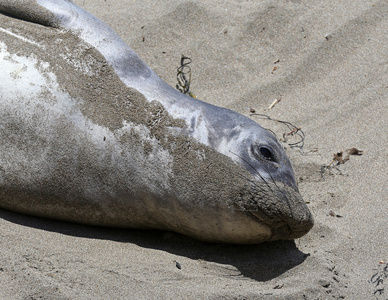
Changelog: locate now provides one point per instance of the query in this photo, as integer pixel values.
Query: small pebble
(324, 283)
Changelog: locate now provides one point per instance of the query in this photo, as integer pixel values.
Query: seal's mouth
(282, 210)
(284, 231)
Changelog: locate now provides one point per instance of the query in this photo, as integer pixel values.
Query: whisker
(252, 182)
(273, 180)
(256, 172)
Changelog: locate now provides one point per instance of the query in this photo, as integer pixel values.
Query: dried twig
(277, 100)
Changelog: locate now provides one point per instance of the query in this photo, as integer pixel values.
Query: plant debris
(293, 132)
(343, 156)
(183, 84)
(277, 100)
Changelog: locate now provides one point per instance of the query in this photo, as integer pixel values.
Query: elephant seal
(90, 134)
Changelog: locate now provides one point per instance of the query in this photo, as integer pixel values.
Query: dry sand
(331, 60)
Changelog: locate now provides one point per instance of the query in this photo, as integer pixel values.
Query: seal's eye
(266, 153)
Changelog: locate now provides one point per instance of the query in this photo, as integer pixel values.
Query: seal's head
(270, 193)
(283, 210)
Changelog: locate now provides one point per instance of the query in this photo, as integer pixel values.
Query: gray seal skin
(90, 134)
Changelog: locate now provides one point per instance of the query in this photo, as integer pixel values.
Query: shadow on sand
(258, 262)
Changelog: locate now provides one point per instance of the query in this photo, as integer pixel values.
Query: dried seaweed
(183, 84)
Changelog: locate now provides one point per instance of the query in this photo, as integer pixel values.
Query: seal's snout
(285, 213)
(294, 219)
(293, 228)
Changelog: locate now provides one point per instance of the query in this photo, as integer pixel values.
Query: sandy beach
(327, 64)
